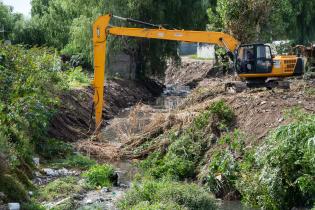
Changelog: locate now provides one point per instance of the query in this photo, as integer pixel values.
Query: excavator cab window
(255, 58)
(264, 59)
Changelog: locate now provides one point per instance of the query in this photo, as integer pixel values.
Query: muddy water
(171, 98)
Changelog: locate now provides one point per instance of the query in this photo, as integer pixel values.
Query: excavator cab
(254, 59)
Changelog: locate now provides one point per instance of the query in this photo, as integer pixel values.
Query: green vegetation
(284, 170)
(99, 176)
(13, 189)
(279, 174)
(224, 168)
(198, 58)
(32, 82)
(32, 206)
(252, 21)
(153, 194)
(54, 148)
(74, 161)
(60, 188)
(77, 78)
(186, 150)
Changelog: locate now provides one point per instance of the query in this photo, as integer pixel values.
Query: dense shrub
(186, 150)
(59, 188)
(99, 175)
(285, 167)
(28, 95)
(153, 194)
(223, 170)
(31, 83)
(13, 189)
(158, 206)
(74, 161)
(53, 148)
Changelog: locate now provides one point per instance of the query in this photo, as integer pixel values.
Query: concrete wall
(121, 65)
(187, 49)
(205, 51)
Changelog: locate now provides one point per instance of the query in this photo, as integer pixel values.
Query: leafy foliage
(53, 148)
(59, 188)
(251, 20)
(27, 102)
(152, 194)
(223, 170)
(186, 150)
(13, 189)
(284, 173)
(99, 176)
(74, 161)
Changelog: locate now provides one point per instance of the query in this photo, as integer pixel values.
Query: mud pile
(191, 71)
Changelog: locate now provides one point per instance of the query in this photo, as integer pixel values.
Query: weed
(74, 161)
(59, 188)
(283, 175)
(53, 148)
(153, 194)
(223, 114)
(158, 206)
(32, 206)
(77, 78)
(224, 169)
(13, 189)
(99, 175)
(185, 151)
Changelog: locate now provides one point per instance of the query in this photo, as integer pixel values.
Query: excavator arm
(101, 30)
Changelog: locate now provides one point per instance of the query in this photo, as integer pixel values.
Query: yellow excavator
(254, 63)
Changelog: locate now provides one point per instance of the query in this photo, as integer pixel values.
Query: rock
(78, 197)
(105, 190)
(123, 185)
(88, 201)
(14, 206)
(36, 161)
(50, 172)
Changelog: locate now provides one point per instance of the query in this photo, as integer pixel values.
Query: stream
(171, 98)
(117, 128)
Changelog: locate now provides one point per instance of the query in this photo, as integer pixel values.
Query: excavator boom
(101, 30)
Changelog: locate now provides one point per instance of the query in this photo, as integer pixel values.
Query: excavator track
(240, 86)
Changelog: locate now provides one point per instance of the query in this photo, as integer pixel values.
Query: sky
(21, 6)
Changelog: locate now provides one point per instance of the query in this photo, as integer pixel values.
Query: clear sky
(21, 6)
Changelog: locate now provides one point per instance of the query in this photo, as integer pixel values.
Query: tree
(302, 22)
(250, 20)
(67, 25)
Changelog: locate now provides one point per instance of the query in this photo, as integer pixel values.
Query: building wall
(121, 65)
(205, 51)
(187, 49)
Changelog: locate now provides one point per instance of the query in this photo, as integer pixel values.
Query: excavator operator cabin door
(263, 59)
(254, 59)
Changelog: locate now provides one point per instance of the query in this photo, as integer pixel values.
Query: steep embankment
(74, 119)
(224, 141)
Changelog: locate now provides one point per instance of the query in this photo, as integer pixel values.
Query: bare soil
(74, 119)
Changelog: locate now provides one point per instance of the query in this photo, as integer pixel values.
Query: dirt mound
(258, 111)
(73, 120)
(191, 71)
